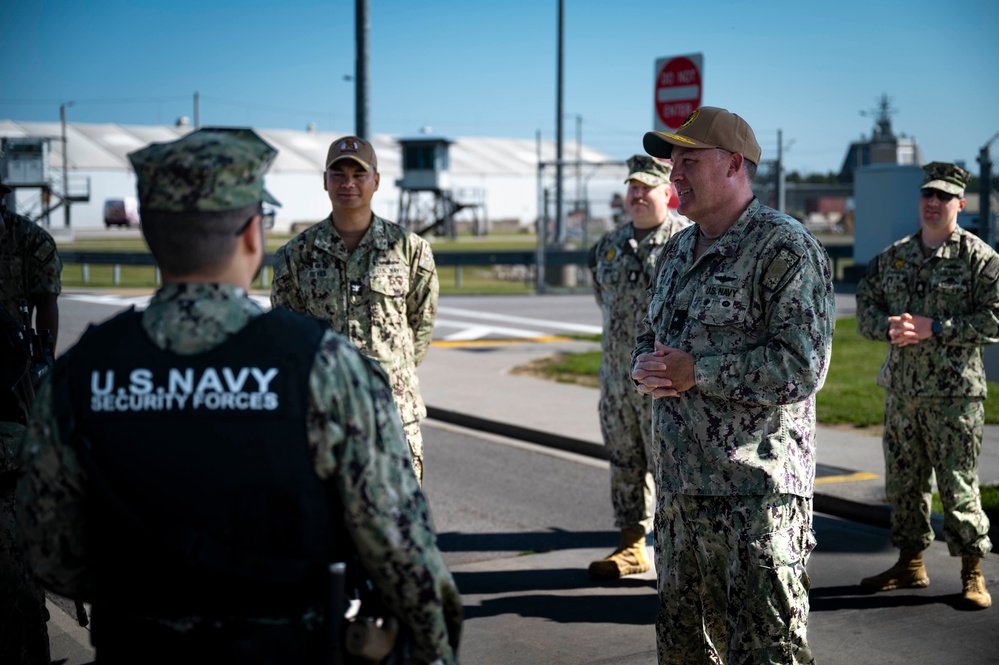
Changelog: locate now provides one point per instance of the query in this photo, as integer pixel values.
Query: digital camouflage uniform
(933, 405)
(737, 450)
(29, 264)
(382, 296)
(351, 423)
(622, 271)
(356, 441)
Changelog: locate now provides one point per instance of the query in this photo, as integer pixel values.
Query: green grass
(850, 396)
(474, 280)
(990, 502)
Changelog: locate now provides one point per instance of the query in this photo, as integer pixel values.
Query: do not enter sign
(677, 89)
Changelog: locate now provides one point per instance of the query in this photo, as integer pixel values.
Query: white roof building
(506, 170)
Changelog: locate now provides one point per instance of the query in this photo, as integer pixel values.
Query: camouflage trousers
(938, 435)
(626, 424)
(732, 583)
(414, 437)
(24, 637)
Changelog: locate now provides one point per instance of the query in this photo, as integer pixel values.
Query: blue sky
(487, 68)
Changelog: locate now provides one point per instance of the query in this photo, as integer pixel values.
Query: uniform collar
(328, 240)
(730, 241)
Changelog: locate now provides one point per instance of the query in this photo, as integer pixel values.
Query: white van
(121, 212)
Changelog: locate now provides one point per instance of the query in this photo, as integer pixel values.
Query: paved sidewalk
(473, 387)
(543, 608)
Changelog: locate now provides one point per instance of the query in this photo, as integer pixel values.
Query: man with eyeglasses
(194, 469)
(934, 296)
(372, 280)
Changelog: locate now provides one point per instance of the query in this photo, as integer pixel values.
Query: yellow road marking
(458, 343)
(846, 478)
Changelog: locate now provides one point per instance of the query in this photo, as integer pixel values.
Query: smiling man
(621, 263)
(735, 344)
(934, 296)
(374, 282)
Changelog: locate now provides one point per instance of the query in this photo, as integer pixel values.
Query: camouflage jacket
(358, 447)
(382, 296)
(957, 285)
(29, 262)
(756, 311)
(622, 272)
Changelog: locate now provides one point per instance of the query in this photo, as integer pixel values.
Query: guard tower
(24, 163)
(426, 200)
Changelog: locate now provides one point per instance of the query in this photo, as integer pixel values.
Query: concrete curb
(872, 514)
(546, 439)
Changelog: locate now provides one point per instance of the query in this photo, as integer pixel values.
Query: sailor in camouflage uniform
(621, 263)
(29, 270)
(200, 520)
(934, 296)
(736, 343)
(375, 282)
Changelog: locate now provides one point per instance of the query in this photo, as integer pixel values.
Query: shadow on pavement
(625, 609)
(852, 597)
(474, 583)
(530, 542)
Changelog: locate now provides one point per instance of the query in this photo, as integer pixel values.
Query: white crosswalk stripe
(456, 324)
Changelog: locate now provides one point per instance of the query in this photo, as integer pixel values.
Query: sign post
(678, 88)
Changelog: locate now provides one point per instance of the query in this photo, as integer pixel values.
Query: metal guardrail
(454, 259)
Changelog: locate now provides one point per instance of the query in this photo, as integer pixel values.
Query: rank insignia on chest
(899, 263)
(355, 288)
(610, 254)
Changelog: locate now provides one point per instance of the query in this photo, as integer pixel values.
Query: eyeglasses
(943, 197)
(266, 220)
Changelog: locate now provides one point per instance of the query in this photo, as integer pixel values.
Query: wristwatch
(937, 327)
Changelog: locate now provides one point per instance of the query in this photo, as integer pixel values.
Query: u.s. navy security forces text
(247, 389)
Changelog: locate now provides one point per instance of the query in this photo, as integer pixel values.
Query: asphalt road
(518, 524)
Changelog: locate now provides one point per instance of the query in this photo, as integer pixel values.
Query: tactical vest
(204, 500)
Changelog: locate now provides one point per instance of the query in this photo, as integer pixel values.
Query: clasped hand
(666, 372)
(906, 329)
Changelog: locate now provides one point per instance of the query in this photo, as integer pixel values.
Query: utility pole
(65, 162)
(986, 229)
(559, 217)
(779, 174)
(579, 162)
(197, 111)
(362, 30)
(542, 225)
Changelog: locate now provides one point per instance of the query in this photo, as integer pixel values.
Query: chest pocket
(322, 291)
(607, 275)
(896, 282)
(950, 291)
(390, 281)
(719, 311)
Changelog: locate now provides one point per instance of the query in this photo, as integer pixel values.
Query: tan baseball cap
(648, 170)
(352, 147)
(707, 127)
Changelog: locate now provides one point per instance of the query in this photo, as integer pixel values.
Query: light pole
(65, 162)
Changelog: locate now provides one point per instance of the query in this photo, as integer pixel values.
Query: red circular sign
(678, 91)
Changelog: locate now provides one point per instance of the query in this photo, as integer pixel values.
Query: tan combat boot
(629, 559)
(975, 595)
(908, 573)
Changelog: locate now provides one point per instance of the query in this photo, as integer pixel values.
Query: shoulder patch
(991, 270)
(427, 260)
(781, 268)
(873, 268)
